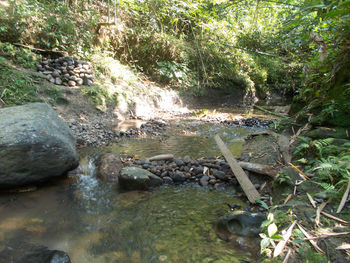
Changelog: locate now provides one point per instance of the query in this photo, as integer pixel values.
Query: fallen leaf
(280, 246)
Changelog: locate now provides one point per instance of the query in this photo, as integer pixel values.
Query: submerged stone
(109, 167)
(29, 253)
(241, 223)
(135, 178)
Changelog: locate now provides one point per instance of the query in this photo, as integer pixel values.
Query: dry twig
(335, 218)
(288, 198)
(312, 201)
(313, 243)
(318, 213)
(328, 235)
(343, 200)
(301, 173)
(287, 256)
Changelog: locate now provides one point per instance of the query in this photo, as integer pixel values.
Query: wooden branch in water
(247, 186)
(270, 112)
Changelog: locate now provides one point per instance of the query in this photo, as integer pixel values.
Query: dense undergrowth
(195, 46)
(18, 85)
(293, 48)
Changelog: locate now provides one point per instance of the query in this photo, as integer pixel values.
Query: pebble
(204, 180)
(58, 81)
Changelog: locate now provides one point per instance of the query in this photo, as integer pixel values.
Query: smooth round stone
(71, 83)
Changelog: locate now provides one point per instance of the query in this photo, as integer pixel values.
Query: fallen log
(270, 112)
(161, 157)
(46, 53)
(259, 168)
(247, 186)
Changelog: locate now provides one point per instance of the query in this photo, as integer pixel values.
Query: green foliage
(271, 228)
(98, 95)
(21, 56)
(328, 160)
(323, 30)
(49, 25)
(16, 87)
(282, 178)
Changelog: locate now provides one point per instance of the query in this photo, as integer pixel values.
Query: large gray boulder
(135, 178)
(35, 145)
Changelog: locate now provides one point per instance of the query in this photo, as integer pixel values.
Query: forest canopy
(288, 47)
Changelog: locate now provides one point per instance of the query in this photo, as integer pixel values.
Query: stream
(95, 222)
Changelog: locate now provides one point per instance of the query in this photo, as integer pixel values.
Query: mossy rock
(241, 223)
(324, 132)
(339, 118)
(135, 178)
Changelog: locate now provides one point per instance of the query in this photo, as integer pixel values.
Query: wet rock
(58, 81)
(29, 253)
(204, 181)
(135, 178)
(198, 170)
(262, 149)
(212, 181)
(179, 163)
(167, 180)
(241, 223)
(55, 74)
(220, 175)
(178, 177)
(35, 145)
(109, 167)
(187, 159)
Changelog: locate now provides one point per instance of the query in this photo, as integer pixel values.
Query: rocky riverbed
(209, 172)
(98, 133)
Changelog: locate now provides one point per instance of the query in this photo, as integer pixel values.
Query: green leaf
(263, 204)
(262, 235)
(264, 243)
(265, 223)
(270, 217)
(272, 229)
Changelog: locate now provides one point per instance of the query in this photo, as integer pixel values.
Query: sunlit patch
(12, 223)
(4, 3)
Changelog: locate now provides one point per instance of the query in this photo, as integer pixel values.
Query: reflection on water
(94, 222)
(190, 138)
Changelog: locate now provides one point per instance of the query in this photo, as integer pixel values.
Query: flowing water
(95, 222)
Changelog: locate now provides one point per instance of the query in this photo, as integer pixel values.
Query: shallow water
(95, 222)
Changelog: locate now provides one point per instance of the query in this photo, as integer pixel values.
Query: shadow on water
(94, 222)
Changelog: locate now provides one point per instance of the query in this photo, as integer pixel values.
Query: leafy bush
(329, 160)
